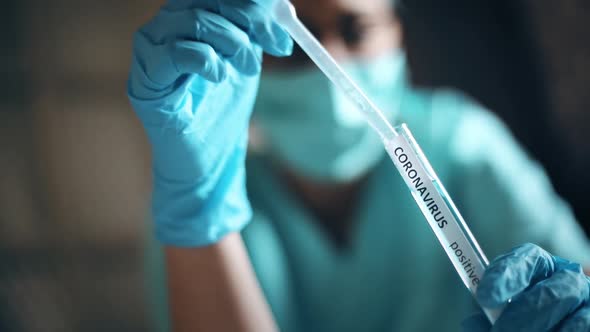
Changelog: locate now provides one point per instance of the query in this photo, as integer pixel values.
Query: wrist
(186, 215)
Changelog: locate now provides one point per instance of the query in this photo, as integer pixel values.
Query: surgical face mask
(312, 127)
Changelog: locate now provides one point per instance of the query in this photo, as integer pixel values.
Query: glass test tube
(429, 193)
(439, 210)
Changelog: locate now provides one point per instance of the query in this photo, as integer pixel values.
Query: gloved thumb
(510, 274)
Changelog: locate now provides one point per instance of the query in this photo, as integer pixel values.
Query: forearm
(214, 288)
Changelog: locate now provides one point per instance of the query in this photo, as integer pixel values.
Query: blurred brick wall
(75, 171)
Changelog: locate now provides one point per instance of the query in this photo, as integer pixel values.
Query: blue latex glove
(193, 81)
(548, 293)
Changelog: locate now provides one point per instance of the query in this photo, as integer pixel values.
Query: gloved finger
(253, 17)
(201, 25)
(152, 63)
(476, 323)
(162, 64)
(233, 43)
(258, 23)
(191, 57)
(578, 321)
(512, 273)
(546, 304)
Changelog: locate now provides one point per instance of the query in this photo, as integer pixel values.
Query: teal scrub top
(395, 276)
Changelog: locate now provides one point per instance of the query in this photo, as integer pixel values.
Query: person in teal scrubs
(335, 239)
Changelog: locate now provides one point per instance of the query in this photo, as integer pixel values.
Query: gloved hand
(548, 293)
(193, 81)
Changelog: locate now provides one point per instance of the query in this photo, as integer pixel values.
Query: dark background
(528, 61)
(74, 164)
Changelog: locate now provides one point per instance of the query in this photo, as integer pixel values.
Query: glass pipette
(428, 192)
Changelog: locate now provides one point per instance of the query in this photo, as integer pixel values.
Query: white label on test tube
(442, 221)
(438, 208)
